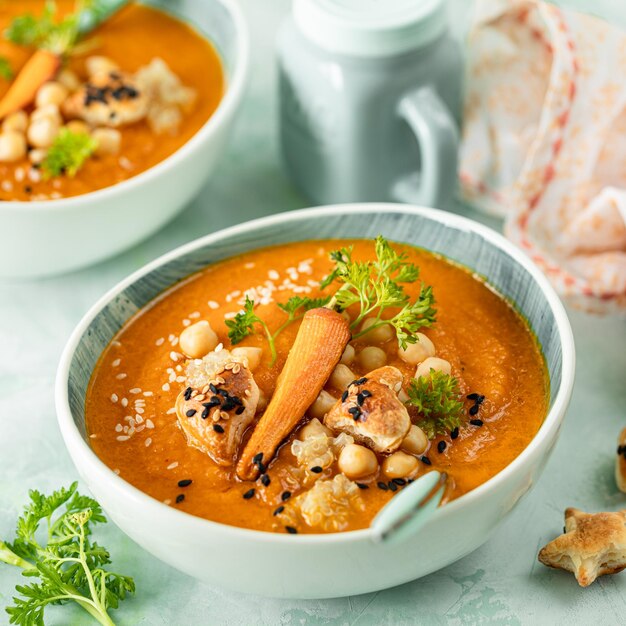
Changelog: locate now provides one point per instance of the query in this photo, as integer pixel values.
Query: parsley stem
(8, 556)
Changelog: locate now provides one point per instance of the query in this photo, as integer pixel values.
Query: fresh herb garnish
(6, 71)
(67, 153)
(376, 286)
(69, 565)
(243, 324)
(438, 399)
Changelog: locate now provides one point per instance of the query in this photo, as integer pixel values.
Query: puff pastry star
(593, 544)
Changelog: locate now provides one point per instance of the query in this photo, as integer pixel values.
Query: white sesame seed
(116, 363)
(118, 428)
(114, 398)
(124, 402)
(249, 266)
(147, 394)
(166, 387)
(160, 341)
(138, 419)
(273, 274)
(194, 315)
(171, 411)
(139, 410)
(149, 423)
(180, 379)
(213, 305)
(121, 376)
(186, 322)
(122, 437)
(148, 442)
(230, 315)
(116, 343)
(172, 466)
(135, 390)
(116, 471)
(93, 436)
(167, 501)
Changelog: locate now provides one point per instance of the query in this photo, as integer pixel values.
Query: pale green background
(501, 583)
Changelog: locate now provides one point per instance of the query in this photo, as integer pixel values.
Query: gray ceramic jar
(370, 100)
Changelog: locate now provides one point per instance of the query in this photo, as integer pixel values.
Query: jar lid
(370, 28)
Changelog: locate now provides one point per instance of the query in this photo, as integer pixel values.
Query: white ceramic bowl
(316, 566)
(43, 238)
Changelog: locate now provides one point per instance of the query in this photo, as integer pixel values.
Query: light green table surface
(500, 583)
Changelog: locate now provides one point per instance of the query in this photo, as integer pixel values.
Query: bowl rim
(73, 438)
(226, 107)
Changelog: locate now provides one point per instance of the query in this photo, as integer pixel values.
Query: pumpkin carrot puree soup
(86, 104)
(298, 388)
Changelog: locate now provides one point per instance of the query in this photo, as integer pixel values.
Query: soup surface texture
(139, 376)
(131, 39)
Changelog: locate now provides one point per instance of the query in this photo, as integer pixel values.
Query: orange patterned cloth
(544, 142)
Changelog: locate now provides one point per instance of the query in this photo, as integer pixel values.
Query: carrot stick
(40, 68)
(319, 344)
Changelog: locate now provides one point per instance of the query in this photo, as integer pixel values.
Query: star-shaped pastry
(593, 544)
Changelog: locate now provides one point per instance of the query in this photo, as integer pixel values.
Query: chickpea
(198, 340)
(68, 79)
(100, 65)
(341, 377)
(12, 146)
(17, 121)
(251, 354)
(78, 127)
(109, 141)
(42, 132)
(415, 353)
(47, 111)
(51, 93)
(372, 358)
(348, 355)
(381, 334)
(416, 441)
(403, 396)
(37, 155)
(314, 428)
(400, 465)
(357, 461)
(432, 363)
(346, 316)
(323, 403)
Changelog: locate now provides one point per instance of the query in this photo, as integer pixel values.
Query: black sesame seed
(217, 428)
(359, 381)
(474, 409)
(344, 396)
(476, 422)
(28, 189)
(316, 469)
(473, 396)
(425, 460)
(382, 486)
(291, 530)
(362, 486)
(409, 481)
(620, 449)
(257, 458)
(240, 410)
(285, 495)
(441, 446)
(185, 482)
(355, 411)
(279, 510)
(399, 481)
(204, 414)
(360, 399)
(180, 497)
(191, 412)
(454, 433)
(188, 393)
(213, 401)
(261, 468)
(228, 405)
(265, 480)
(392, 486)
(222, 392)
(480, 399)
(213, 388)
(249, 494)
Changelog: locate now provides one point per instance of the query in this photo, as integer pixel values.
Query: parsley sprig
(69, 565)
(376, 286)
(438, 400)
(68, 153)
(6, 71)
(243, 324)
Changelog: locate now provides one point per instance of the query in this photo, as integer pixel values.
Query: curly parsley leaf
(70, 567)
(68, 153)
(438, 400)
(377, 286)
(6, 71)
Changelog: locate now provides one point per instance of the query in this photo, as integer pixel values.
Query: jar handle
(438, 138)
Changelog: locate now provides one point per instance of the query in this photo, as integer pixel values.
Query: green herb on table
(377, 286)
(68, 153)
(243, 324)
(69, 565)
(438, 400)
(6, 71)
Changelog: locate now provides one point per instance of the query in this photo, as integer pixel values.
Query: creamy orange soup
(131, 38)
(490, 348)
